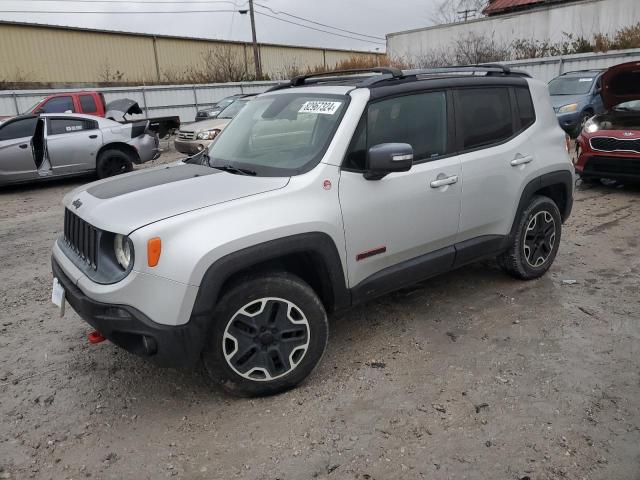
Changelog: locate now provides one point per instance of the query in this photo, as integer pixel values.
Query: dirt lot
(470, 375)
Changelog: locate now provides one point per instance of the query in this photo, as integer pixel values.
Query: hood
(559, 100)
(121, 107)
(621, 84)
(218, 123)
(127, 202)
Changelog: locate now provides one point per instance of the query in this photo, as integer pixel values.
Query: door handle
(444, 181)
(521, 160)
(93, 136)
(23, 146)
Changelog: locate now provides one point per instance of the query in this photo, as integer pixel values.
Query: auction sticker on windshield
(316, 106)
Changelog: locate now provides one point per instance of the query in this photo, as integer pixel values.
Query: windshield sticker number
(585, 80)
(325, 108)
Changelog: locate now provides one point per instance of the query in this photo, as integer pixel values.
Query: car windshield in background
(232, 110)
(574, 85)
(279, 135)
(632, 106)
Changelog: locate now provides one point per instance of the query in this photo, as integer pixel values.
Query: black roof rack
(388, 73)
(487, 68)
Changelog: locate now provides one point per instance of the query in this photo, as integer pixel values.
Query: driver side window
(419, 120)
(18, 129)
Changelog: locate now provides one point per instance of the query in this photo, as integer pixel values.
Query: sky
(374, 18)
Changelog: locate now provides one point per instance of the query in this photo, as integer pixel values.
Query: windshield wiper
(235, 170)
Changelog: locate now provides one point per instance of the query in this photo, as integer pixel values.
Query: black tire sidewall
(538, 204)
(287, 287)
(109, 155)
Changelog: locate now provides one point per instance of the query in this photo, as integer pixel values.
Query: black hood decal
(147, 179)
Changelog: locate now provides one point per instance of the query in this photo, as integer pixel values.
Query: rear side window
(524, 105)
(58, 105)
(88, 104)
(419, 120)
(58, 126)
(18, 129)
(484, 116)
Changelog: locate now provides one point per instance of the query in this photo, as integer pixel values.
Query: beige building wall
(42, 54)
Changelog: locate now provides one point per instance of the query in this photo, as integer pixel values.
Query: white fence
(156, 101)
(550, 67)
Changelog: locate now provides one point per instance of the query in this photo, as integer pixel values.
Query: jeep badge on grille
(77, 203)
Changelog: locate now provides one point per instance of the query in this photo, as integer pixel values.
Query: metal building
(546, 21)
(46, 54)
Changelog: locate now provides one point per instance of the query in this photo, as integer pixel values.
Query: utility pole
(256, 51)
(466, 13)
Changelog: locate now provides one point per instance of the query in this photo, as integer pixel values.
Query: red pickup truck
(90, 103)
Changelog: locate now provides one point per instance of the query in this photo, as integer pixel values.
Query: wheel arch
(123, 147)
(311, 256)
(558, 186)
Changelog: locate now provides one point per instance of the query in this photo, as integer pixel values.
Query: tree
(451, 11)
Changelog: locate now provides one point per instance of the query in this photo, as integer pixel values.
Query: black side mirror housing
(387, 158)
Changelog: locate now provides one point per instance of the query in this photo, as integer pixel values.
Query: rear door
(16, 157)
(401, 228)
(72, 144)
(497, 157)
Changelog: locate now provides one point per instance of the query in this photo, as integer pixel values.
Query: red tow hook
(95, 337)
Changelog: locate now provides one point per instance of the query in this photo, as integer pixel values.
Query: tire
(267, 336)
(536, 240)
(113, 162)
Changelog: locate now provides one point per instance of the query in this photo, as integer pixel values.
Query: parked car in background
(214, 111)
(196, 137)
(609, 144)
(93, 103)
(575, 97)
(39, 147)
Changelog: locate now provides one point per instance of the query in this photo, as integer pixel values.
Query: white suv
(321, 194)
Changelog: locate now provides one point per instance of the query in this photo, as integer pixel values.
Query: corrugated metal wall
(41, 54)
(181, 100)
(550, 67)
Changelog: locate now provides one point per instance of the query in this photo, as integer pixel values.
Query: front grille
(82, 238)
(609, 144)
(613, 165)
(186, 135)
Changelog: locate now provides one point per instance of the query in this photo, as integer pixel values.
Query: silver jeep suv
(321, 194)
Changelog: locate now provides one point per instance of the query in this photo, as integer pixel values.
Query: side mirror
(387, 158)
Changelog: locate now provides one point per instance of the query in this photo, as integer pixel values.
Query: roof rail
(389, 72)
(488, 68)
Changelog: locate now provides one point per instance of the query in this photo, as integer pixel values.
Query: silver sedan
(38, 147)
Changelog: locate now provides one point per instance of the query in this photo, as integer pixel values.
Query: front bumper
(127, 327)
(609, 166)
(568, 121)
(191, 147)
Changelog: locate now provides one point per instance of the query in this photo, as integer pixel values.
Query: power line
(318, 29)
(281, 12)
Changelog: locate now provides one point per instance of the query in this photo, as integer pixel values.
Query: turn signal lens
(154, 248)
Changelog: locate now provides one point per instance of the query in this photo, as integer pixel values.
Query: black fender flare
(319, 245)
(563, 178)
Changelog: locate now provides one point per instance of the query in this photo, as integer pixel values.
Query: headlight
(208, 134)
(591, 126)
(122, 249)
(572, 107)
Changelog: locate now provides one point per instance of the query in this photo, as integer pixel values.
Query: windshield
(633, 105)
(232, 110)
(574, 85)
(279, 135)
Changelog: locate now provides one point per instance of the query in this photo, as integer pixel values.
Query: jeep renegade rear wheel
(536, 241)
(268, 335)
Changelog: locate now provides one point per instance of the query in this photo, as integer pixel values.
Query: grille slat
(81, 237)
(613, 165)
(186, 135)
(610, 144)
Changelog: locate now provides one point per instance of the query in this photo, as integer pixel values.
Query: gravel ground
(469, 375)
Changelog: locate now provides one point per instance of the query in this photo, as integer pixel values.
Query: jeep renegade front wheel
(535, 243)
(267, 336)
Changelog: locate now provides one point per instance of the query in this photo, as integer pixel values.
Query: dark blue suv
(575, 97)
